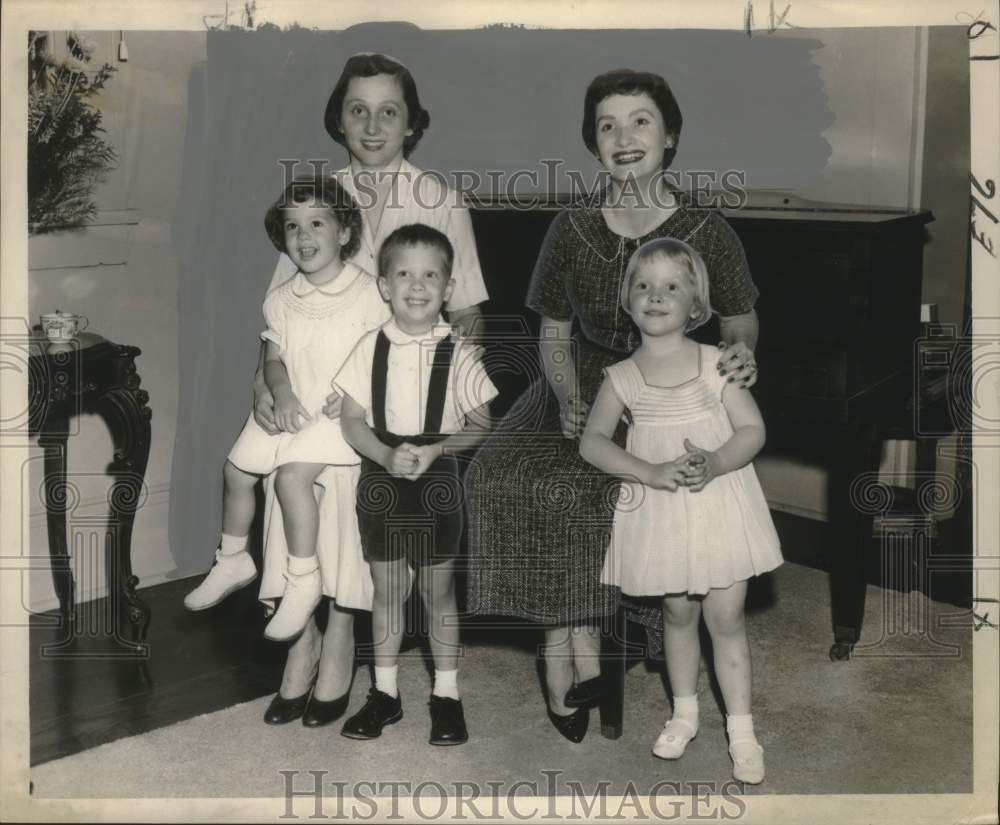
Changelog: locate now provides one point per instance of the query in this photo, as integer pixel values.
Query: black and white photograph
(534, 412)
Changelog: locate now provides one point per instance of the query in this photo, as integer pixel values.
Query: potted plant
(67, 156)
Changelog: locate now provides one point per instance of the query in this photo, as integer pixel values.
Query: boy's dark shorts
(418, 520)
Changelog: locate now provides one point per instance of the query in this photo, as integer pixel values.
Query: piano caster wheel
(841, 651)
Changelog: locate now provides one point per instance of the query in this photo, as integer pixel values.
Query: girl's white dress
(315, 329)
(677, 542)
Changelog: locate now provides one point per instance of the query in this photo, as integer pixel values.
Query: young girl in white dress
(691, 523)
(313, 322)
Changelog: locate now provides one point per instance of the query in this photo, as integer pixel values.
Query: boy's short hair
(674, 250)
(412, 235)
(324, 191)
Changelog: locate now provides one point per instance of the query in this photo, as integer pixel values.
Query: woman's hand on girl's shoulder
(573, 415)
(738, 364)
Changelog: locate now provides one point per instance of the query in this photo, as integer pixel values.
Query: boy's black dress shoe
(584, 693)
(574, 726)
(319, 713)
(281, 711)
(380, 710)
(447, 721)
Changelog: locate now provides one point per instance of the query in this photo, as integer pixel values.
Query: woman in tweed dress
(540, 517)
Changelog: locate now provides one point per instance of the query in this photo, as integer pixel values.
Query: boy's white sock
(385, 679)
(446, 683)
(300, 565)
(232, 544)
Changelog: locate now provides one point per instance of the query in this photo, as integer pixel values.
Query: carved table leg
(127, 416)
(53, 440)
(854, 452)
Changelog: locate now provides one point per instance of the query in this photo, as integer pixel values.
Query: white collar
(405, 176)
(396, 336)
(303, 288)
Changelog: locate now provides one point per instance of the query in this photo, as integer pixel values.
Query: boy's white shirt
(408, 379)
(436, 206)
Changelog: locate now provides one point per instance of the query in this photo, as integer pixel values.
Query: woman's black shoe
(281, 711)
(584, 694)
(319, 713)
(574, 726)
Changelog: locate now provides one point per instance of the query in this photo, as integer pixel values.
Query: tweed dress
(540, 517)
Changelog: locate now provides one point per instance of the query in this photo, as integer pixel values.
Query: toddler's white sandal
(674, 738)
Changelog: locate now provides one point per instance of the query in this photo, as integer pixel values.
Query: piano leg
(855, 452)
(614, 651)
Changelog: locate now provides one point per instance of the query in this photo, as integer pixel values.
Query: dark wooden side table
(91, 374)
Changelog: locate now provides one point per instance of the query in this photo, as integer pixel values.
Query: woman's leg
(336, 663)
(725, 618)
(585, 641)
(301, 663)
(293, 484)
(557, 652)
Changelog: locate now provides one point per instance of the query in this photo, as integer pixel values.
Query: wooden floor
(85, 694)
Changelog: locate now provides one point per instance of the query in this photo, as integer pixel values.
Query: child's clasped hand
(287, 411)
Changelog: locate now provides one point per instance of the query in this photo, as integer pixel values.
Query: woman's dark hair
(369, 65)
(322, 191)
(416, 234)
(629, 82)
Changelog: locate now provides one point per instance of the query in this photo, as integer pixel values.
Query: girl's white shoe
(303, 592)
(230, 572)
(748, 758)
(674, 738)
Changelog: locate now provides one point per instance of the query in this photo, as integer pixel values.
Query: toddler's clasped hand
(677, 473)
(287, 411)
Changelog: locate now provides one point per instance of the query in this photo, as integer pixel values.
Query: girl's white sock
(446, 683)
(232, 544)
(741, 723)
(686, 708)
(300, 565)
(385, 679)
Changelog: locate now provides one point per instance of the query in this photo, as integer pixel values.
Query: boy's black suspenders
(436, 391)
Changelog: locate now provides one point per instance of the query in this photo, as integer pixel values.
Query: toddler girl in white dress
(691, 522)
(313, 322)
